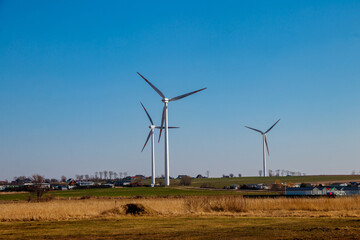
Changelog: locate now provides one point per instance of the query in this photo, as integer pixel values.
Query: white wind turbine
(264, 144)
(165, 118)
(151, 134)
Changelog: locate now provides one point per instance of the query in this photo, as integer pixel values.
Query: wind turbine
(165, 118)
(151, 134)
(264, 144)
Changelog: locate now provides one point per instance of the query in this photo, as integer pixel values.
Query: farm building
(82, 184)
(299, 191)
(327, 190)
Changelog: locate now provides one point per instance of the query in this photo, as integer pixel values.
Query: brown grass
(185, 206)
(216, 204)
(9, 193)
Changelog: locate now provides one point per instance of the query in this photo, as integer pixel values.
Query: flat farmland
(202, 227)
(186, 217)
(217, 185)
(221, 182)
(129, 192)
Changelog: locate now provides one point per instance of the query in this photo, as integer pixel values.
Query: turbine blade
(146, 140)
(147, 114)
(254, 129)
(162, 122)
(185, 95)
(157, 90)
(267, 147)
(272, 126)
(168, 127)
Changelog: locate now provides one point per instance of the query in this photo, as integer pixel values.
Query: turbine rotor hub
(165, 100)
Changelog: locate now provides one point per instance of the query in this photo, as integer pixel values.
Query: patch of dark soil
(135, 209)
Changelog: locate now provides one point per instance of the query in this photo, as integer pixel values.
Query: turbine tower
(165, 118)
(151, 134)
(265, 144)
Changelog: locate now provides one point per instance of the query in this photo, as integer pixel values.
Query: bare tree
(207, 173)
(260, 173)
(115, 175)
(87, 177)
(101, 175)
(105, 174)
(231, 175)
(63, 178)
(125, 174)
(111, 174)
(239, 175)
(96, 175)
(38, 188)
(121, 175)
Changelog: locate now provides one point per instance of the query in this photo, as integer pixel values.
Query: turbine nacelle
(152, 126)
(165, 100)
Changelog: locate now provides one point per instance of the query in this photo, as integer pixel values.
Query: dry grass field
(192, 217)
(93, 208)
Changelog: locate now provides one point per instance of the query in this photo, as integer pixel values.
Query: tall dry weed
(213, 205)
(216, 204)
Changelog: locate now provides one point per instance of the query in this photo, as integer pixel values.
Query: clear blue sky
(69, 92)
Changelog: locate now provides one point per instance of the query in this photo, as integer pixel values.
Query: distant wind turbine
(165, 118)
(264, 144)
(151, 134)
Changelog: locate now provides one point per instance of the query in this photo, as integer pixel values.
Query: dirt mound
(130, 208)
(113, 211)
(135, 209)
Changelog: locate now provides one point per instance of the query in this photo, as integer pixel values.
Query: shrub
(185, 181)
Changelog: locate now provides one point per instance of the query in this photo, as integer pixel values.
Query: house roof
(299, 189)
(321, 188)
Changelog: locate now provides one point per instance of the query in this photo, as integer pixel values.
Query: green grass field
(130, 192)
(175, 190)
(221, 182)
(220, 227)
